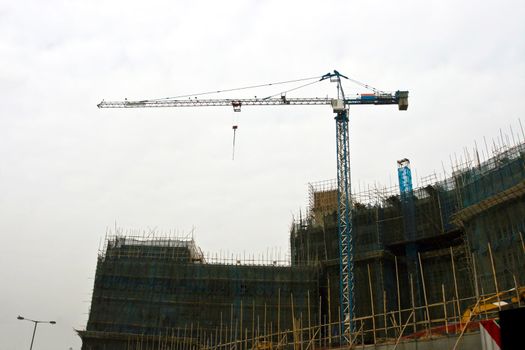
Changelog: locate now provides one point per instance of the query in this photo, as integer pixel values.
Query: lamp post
(34, 329)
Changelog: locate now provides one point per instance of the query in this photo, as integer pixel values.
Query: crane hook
(234, 127)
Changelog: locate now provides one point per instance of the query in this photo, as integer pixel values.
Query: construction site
(430, 263)
(422, 264)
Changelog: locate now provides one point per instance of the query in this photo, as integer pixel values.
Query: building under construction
(423, 257)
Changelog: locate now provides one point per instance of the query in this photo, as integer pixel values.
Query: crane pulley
(340, 107)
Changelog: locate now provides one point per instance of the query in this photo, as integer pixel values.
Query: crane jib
(400, 98)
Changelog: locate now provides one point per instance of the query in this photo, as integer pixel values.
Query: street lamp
(34, 329)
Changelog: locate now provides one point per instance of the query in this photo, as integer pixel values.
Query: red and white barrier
(490, 335)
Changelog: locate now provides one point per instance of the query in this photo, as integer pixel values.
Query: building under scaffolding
(422, 257)
(452, 239)
(150, 289)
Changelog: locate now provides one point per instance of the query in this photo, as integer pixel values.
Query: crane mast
(340, 106)
(344, 212)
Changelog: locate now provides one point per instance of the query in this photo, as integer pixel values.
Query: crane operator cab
(338, 105)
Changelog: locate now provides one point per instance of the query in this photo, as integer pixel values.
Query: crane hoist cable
(234, 127)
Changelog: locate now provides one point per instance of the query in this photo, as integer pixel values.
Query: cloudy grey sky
(69, 171)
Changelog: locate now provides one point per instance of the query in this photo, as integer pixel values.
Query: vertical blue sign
(405, 176)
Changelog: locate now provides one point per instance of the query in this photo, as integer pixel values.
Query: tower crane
(340, 107)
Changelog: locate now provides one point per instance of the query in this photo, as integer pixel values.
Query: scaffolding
(145, 286)
(461, 227)
(467, 231)
(492, 216)
(443, 318)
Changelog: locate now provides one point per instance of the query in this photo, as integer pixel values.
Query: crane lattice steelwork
(340, 106)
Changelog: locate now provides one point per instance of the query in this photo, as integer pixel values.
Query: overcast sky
(69, 171)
